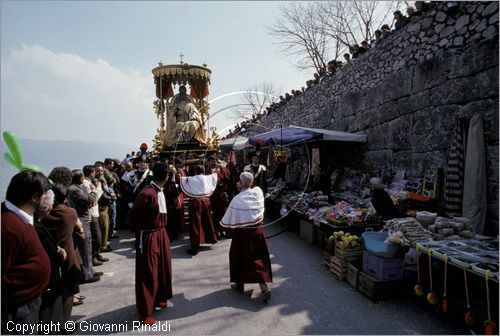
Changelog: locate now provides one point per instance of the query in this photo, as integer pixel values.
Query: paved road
(306, 299)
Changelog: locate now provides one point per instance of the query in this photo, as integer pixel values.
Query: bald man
(249, 260)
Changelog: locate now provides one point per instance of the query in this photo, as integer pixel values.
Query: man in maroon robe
(153, 263)
(175, 200)
(220, 198)
(199, 188)
(249, 260)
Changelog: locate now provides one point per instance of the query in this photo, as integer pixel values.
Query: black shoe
(106, 249)
(77, 303)
(192, 251)
(237, 287)
(114, 235)
(98, 274)
(93, 279)
(96, 262)
(266, 295)
(101, 258)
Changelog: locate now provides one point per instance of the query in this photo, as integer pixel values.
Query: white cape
(245, 209)
(198, 186)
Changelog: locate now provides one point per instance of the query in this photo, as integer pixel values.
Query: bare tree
(255, 100)
(313, 31)
(301, 35)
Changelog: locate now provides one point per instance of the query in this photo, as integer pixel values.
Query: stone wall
(408, 90)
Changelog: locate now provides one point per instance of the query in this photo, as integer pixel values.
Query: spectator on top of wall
(365, 44)
(386, 30)
(400, 19)
(347, 56)
(332, 66)
(421, 7)
(410, 12)
(377, 35)
(355, 51)
(316, 78)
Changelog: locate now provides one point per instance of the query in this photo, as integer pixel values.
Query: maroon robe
(175, 205)
(249, 260)
(153, 261)
(219, 200)
(202, 228)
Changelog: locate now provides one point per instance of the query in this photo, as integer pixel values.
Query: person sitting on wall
(421, 7)
(347, 57)
(377, 37)
(386, 30)
(381, 200)
(410, 12)
(400, 19)
(365, 45)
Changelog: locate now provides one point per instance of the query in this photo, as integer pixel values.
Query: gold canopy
(182, 73)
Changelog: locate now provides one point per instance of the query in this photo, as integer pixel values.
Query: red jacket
(25, 264)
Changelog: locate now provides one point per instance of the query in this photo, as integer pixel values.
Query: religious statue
(184, 122)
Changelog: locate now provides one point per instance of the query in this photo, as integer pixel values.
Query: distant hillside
(50, 153)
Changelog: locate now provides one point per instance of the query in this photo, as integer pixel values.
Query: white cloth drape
(474, 198)
(245, 209)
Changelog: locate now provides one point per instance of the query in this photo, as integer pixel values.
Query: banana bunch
(345, 239)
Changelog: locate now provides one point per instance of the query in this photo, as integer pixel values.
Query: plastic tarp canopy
(237, 143)
(294, 134)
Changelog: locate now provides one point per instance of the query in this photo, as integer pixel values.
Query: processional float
(183, 118)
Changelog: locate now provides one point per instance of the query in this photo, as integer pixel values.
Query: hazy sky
(82, 70)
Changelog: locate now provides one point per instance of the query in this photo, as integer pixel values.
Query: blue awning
(293, 134)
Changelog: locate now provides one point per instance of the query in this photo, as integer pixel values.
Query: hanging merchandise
(469, 317)
(432, 297)
(445, 300)
(418, 289)
(315, 162)
(489, 326)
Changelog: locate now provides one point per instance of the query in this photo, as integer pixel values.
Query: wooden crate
(349, 253)
(326, 258)
(378, 290)
(352, 275)
(338, 267)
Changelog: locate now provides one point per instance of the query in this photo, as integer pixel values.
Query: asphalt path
(306, 298)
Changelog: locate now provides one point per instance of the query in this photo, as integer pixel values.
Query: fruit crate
(349, 253)
(378, 290)
(353, 274)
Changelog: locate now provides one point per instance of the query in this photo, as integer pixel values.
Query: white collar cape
(245, 209)
(198, 186)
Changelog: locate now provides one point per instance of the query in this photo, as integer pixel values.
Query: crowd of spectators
(74, 215)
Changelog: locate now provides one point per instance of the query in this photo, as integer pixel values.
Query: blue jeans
(112, 218)
(27, 314)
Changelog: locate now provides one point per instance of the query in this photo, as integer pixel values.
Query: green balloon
(14, 147)
(10, 160)
(31, 167)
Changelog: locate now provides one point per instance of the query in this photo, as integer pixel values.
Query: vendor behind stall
(381, 200)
